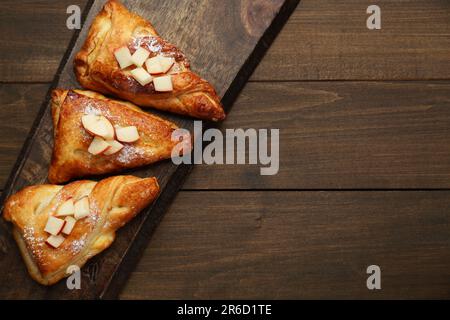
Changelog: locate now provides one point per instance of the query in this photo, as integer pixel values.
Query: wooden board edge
(258, 52)
(133, 254)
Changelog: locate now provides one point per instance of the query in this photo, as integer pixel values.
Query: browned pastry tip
(112, 203)
(71, 158)
(96, 67)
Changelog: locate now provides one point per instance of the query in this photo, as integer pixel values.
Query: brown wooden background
(364, 118)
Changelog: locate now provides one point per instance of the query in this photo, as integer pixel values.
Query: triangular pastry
(118, 58)
(95, 135)
(56, 227)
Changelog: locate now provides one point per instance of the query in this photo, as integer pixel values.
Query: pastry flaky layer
(113, 202)
(71, 158)
(96, 67)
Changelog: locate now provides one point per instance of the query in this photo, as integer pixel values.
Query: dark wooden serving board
(224, 40)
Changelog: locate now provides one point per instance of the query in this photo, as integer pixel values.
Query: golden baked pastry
(97, 68)
(112, 203)
(72, 155)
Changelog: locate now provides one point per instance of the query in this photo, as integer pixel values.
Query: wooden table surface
(364, 179)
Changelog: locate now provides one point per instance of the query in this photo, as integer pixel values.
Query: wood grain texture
(329, 40)
(20, 104)
(287, 245)
(245, 36)
(37, 30)
(322, 40)
(355, 135)
(349, 134)
(333, 135)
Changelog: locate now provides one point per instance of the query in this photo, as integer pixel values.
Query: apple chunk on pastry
(95, 135)
(49, 245)
(118, 48)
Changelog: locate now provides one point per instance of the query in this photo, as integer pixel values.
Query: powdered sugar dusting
(91, 108)
(93, 218)
(94, 214)
(130, 153)
(98, 108)
(78, 245)
(150, 43)
(35, 244)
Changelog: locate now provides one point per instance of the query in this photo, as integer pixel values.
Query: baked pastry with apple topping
(124, 56)
(60, 226)
(95, 135)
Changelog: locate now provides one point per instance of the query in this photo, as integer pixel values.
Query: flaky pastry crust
(113, 202)
(71, 158)
(97, 69)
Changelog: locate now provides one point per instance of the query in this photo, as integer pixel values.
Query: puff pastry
(113, 202)
(71, 158)
(97, 69)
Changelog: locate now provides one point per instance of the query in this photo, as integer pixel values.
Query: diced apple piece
(123, 57)
(127, 134)
(141, 76)
(82, 208)
(55, 241)
(166, 63)
(159, 64)
(54, 225)
(65, 209)
(98, 125)
(139, 56)
(163, 84)
(98, 146)
(68, 226)
(153, 65)
(115, 147)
